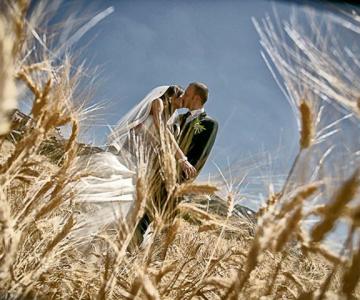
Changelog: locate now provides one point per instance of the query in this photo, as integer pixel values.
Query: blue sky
(144, 44)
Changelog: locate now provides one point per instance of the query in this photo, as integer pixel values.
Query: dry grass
(193, 253)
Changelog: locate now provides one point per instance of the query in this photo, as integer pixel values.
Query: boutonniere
(198, 128)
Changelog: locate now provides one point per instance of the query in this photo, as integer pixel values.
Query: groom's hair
(202, 90)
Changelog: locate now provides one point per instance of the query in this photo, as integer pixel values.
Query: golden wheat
(193, 251)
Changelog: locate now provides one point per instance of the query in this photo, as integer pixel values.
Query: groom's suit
(196, 138)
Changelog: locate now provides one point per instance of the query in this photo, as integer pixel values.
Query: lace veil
(133, 118)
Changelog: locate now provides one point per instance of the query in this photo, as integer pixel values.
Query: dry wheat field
(196, 251)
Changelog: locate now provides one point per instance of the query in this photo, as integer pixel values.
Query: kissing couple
(135, 144)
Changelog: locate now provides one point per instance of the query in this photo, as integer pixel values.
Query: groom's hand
(188, 169)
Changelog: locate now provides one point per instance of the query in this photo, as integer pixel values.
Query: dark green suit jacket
(196, 138)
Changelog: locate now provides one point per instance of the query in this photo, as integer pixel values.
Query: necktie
(187, 114)
(185, 117)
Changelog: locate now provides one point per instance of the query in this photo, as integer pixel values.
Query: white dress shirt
(194, 114)
(174, 119)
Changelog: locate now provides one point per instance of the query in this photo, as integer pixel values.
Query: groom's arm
(202, 144)
(175, 125)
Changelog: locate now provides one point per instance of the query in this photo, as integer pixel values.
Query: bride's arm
(157, 108)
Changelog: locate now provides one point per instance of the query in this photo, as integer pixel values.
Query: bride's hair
(173, 91)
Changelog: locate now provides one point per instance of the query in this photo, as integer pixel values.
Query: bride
(107, 192)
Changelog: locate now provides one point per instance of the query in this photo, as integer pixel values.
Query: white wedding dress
(106, 194)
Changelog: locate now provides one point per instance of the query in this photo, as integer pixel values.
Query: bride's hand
(188, 169)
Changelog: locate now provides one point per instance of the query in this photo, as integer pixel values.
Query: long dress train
(106, 193)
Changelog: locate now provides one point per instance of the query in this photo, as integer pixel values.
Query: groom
(196, 134)
(197, 130)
